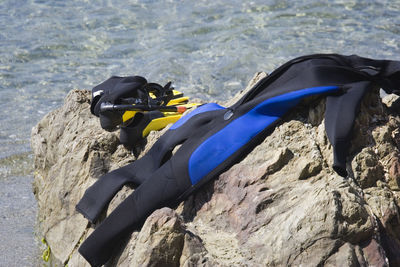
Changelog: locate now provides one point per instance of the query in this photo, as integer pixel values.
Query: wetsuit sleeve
(99, 195)
(340, 114)
(154, 193)
(384, 72)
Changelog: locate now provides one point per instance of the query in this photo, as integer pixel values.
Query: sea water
(209, 49)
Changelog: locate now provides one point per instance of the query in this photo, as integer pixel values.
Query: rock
(347, 255)
(394, 173)
(375, 254)
(161, 240)
(367, 168)
(390, 100)
(281, 205)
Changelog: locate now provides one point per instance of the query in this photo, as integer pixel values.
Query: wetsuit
(213, 138)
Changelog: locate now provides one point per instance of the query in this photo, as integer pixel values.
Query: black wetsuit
(213, 138)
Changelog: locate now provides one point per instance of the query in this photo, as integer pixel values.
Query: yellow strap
(128, 115)
(191, 105)
(175, 92)
(160, 123)
(178, 101)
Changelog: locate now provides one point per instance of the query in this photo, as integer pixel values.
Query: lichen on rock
(281, 205)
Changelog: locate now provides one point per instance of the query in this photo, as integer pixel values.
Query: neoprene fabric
(113, 90)
(223, 136)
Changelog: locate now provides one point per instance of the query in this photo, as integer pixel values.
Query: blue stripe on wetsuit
(220, 146)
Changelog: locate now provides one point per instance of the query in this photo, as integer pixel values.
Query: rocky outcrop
(281, 205)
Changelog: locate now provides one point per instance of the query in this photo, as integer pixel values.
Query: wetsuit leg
(156, 192)
(340, 114)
